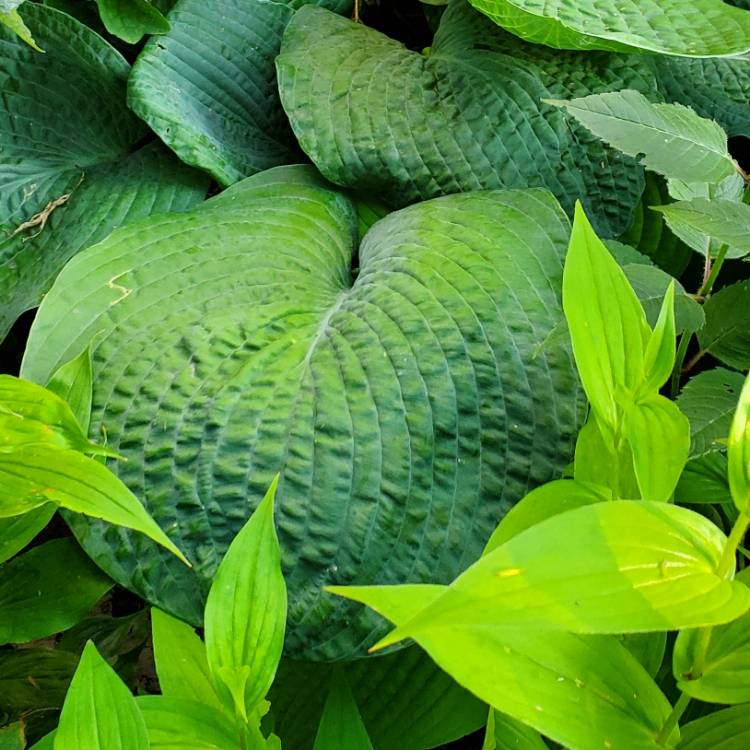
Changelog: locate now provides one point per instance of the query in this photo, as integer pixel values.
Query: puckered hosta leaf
(208, 88)
(405, 700)
(586, 692)
(46, 590)
(709, 401)
(83, 174)
(725, 221)
(404, 126)
(702, 28)
(672, 139)
(726, 334)
(725, 676)
(654, 564)
(130, 20)
(375, 397)
(728, 729)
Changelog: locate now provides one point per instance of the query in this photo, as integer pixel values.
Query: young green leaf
(46, 590)
(99, 712)
(659, 437)
(72, 383)
(12, 19)
(654, 564)
(672, 139)
(728, 729)
(709, 401)
(181, 664)
(739, 452)
(341, 726)
(12, 737)
(726, 334)
(130, 20)
(36, 475)
(607, 325)
(660, 349)
(504, 732)
(725, 669)
(17, 531)
(246, 612)
(727, 222)
(179, 724)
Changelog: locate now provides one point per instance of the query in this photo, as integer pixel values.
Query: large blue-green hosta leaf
(72, 168)
(468, 116)
(208, 88)
(700, 28)
(407, 408)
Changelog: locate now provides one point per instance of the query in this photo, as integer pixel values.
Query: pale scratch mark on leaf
(123, 290)
(40, 219)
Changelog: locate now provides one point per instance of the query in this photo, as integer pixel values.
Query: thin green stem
(674, 717)
(710, 280)
(682, 348)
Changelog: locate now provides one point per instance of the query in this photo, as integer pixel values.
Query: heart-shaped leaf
(72, 169)
(406, 409)
(373, 115)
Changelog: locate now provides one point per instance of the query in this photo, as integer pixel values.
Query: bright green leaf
(726, 334)
(99, 712)
(341, 726)
(660, 350)
(130, 20)
(739, 452)
(246, 611)
(671, 139)
(73, 383)
(12, 19)
(728, 729)
(507, 733)
(46, 590)
(17, 531)
(648, 648)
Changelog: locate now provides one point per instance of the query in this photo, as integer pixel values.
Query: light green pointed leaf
(671, 139)
(17, 531)
(609, 332)
(212, 97)
(46, 590)
(73, 384)
(739, 452)
(709, 401)
(727, 729)
(725, 221)
(583, 692)
(506, 733)
(703, 28)
(99, 712)
(369, 393)
(659, 437)
(130, 20)
(12, 19)
(246, 611)
(726, 334)
(725, 677)
(658, 359)
(86, 176)
(181, 664)
(35, 475)
(483, 124)
(341, 726)
(180, 724)
(653, 563)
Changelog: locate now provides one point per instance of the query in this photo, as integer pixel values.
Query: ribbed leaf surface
(404, 126)
(68, 152)
(405, 408)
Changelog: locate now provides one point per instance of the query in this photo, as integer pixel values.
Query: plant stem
(682, 348)
(671, 721)
(710, 279)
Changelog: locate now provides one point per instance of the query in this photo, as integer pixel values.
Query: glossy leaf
(130, 20)
(73, 384)
(370, 393)
(99, 712)
(36, 475)
(341, 726)
(46, 590)
(728, 729)
(246, 611)
(726, 334)
(181, 664)
(703, 28)
(739, 452)
(17, 531)
(504, 733)
(709, 401)
(670, 138)
(661, 349)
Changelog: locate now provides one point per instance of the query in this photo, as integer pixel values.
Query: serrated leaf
(704, 28)
(483, 124)
(726, 334)
(709, 401)
(99, 712)
(727, 729)
(212, 97)
(738, 452)
(46, 590)
(670, 139)
(246, 611)
(85, 177)
(73, 384)
(130, 20)
(725, 221)
(341, 726)
(349, 393)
